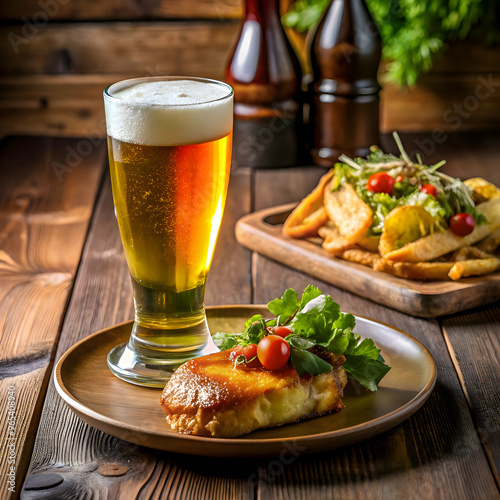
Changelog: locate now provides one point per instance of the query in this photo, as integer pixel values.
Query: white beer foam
(168, 113)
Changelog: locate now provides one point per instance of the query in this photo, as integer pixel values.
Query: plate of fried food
(384, 226)
(297, 375)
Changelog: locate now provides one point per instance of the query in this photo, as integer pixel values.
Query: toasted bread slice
(210, 396)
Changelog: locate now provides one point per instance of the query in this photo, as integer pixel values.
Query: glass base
(152, 365)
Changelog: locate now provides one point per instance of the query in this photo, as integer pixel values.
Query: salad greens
(315, 322)
(453, 196)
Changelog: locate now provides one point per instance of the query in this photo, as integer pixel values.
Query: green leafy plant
(413, 32)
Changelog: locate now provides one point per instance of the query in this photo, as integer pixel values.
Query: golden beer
(169, 148)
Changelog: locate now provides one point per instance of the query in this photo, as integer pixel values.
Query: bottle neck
(263, 68)
(262, 11)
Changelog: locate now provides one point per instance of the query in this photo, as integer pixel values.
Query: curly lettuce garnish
(314, 320)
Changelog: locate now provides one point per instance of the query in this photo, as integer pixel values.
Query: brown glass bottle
(266, 76)
(344, 92)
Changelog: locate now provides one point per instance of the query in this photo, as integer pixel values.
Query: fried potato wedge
(405, 225)
(482, 190)
(474, 267)
(350, 214)
(310, 214)
(468, 253)
(491, 243)
(369, 243)
(442, 242)
(416, 270)
(424, 270)
(364, 257)
(408, 270)
(333, 243)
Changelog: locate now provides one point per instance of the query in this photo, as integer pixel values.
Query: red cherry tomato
(399, 178)
(429, 189)
(380, 182)
(249, 351)
(273, 352)
(281, 331)
(462, 224)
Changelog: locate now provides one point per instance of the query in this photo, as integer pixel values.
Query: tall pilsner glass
(169, 141)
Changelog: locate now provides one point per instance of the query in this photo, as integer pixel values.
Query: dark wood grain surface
(449, 449)
(46, 202)
(85, 10)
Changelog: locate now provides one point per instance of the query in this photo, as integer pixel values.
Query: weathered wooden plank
(46, 202)
(468, 57)
(71, 105)
(102, 297)
(474, 344)
(445, 417)
(55, 105)
(274, 191)
(44, 213)
(36, 11)
(451, 102)
(191, 48)
(22, 398)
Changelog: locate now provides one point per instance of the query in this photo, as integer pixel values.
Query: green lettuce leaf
(345, 320)
(285, 307)
(225, 341)
(306, 362)
(367, 371)
(315, 319)
(252, 320)
(338, 342)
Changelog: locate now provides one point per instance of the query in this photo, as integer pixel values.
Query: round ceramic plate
(133, 413)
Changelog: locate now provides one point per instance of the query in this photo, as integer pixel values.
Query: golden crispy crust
(208, 396)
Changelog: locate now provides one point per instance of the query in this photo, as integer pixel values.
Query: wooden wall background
(56, 57)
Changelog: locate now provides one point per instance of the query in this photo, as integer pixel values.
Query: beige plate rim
(242, 446)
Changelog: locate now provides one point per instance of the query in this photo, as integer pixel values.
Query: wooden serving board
(261, 232)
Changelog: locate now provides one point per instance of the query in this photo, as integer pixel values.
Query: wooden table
(63, 276)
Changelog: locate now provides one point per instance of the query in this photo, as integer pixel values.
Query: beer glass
(169, 142)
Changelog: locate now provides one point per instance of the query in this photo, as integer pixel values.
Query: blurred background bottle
(343, 95)
(266, 76)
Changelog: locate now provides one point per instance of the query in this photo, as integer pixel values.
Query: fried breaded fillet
(209, 396)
